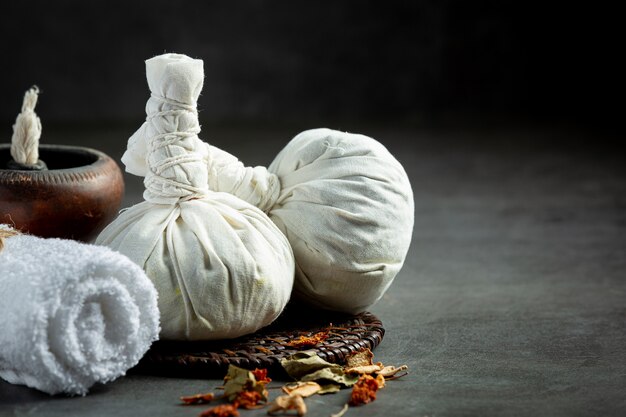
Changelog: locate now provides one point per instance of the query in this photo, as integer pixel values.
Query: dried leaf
(341, 412)
(238, 380)
(198, 399)
(302, 363)
(364, 391)
(332, 373)
(224, 410)
(307, 366)
(303, 389)
(288, 402)
(360, 358)
(329, 389)
(389, 371)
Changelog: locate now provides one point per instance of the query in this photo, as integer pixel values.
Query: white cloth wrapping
(221, 267)
(71, 314)
(345, 204)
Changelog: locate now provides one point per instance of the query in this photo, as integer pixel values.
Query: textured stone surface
(512, 300)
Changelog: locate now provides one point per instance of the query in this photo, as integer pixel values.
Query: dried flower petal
(308, 341)
(238, 380)
(364, 391)
(247, 400)
(288, 402)
(303, 389)
(198, 399)
(260, 374)
(380, 380)
(224, 410)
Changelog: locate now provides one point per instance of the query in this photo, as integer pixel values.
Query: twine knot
(27, 131)
(176, 167)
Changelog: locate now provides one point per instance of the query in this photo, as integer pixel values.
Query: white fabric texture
(221, 267)
(71, 314)
(345, 204)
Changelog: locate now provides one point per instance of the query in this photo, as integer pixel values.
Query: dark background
(418, 63)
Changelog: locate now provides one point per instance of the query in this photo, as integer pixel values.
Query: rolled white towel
(71, 314)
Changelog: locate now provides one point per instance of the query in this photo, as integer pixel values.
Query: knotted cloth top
(178, 166)
(166, 147)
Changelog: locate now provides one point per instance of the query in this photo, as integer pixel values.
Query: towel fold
(71, 314)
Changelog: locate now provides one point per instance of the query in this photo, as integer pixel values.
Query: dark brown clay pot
(75, 198)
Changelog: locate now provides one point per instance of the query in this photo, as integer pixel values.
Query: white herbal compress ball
(345, 204)
(221, 267)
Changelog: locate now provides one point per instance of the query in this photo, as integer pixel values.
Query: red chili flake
(261, 376)
(364, 391)
(198, 399)
(247, 399)
(308, 341)
(224, 410)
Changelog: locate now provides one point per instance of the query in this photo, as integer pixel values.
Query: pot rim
(101, 158)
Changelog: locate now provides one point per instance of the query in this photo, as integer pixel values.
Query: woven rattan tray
(265, 348)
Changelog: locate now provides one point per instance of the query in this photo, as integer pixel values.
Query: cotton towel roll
(71, 314)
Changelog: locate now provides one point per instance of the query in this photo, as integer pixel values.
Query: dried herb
(261, 376)
(224, 410)
(284, 403)
(332, 374)
(329, 389)
(303, 389)
(198, 399)
(302, 363)
(308, 341)
(238, 380)
(360, 358)
(364, 391)
(248, 400)
(361, 362)
(366, 369)
(391, 371)
(307, 366)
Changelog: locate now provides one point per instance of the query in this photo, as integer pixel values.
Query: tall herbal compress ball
(345, 204)
(221, 267)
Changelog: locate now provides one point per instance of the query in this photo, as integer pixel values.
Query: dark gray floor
(513, 297)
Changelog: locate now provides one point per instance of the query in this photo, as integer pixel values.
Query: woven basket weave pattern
(265, 349)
